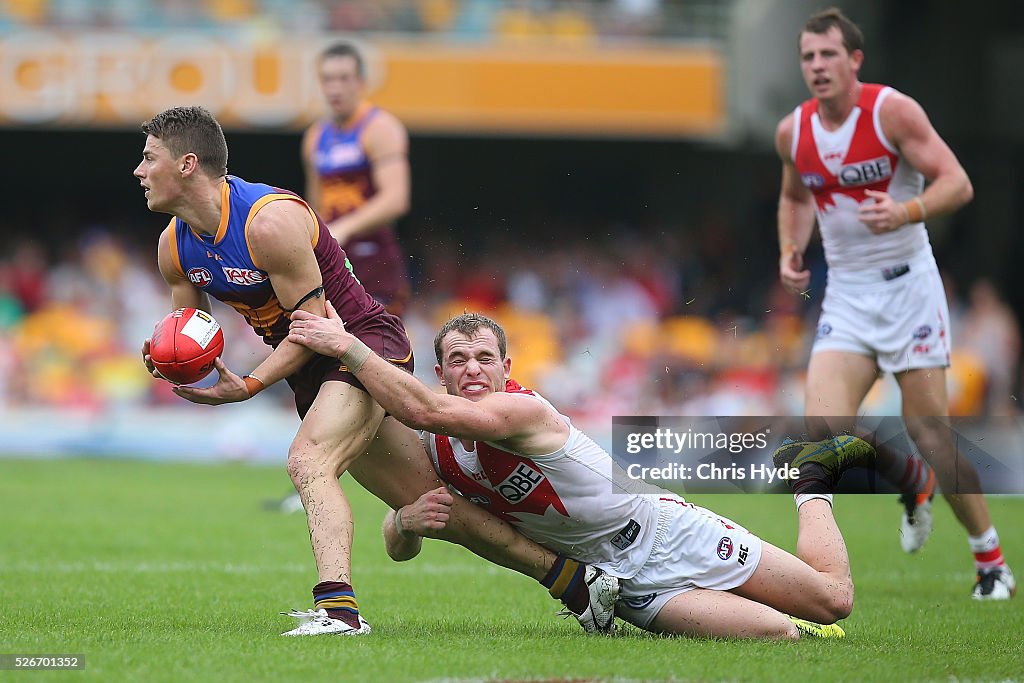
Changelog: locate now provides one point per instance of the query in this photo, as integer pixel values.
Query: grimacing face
(341, 84)
(828, 69)
(472, 366)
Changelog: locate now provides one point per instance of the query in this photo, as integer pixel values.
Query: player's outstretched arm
(497, 417)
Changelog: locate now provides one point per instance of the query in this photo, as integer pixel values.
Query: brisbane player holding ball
(266, 253)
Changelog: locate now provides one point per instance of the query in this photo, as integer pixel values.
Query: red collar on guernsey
(514, 387)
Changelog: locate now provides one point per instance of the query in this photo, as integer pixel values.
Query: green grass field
(169, 572)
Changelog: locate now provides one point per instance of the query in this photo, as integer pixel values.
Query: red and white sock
(987, 553)
(908, 473)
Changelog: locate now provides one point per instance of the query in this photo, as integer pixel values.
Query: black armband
(316, 293)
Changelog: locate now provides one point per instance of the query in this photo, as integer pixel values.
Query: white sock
(985, 542)
(801, 498)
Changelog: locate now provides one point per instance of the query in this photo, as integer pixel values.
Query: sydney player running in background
(856, 157)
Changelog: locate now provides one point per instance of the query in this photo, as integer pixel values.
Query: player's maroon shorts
(383, 333)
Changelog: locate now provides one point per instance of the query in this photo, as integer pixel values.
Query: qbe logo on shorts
(521, 483)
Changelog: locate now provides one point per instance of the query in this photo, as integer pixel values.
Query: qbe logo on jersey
(865, 172)
(521, 483)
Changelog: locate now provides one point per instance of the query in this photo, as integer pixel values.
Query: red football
(185, 344)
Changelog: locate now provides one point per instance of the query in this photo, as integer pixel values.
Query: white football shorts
(693, 548)
(902, 322)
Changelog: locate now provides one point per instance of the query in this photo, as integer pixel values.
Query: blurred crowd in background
(605, 321)
(571, 20)
(640, 329)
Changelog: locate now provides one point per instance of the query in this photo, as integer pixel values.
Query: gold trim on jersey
(225, 212)
(172, 239)
(393, 361)
(263, 201)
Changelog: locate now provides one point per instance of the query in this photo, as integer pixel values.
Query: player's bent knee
(309, 461)
(304, 471)
(840, 605)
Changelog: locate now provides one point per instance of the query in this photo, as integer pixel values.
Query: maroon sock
(565, 581)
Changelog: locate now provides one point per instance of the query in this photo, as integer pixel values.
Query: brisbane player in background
(855, 158)
(357, 176)
(266, 253)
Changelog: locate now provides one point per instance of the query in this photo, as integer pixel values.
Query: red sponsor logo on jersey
(200, 277)
(244, 276)
(922, 348)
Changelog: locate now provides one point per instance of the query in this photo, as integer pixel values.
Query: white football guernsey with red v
(838, 166)
(574, 501)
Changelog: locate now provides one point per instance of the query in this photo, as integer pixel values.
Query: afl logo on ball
(725, 548)
(200, 277)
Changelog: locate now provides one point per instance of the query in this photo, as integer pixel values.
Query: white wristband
(355, 356)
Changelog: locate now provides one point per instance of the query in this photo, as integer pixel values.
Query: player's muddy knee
(304, 472)
(840, 605)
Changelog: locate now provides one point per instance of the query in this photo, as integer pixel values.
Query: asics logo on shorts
(625, 538)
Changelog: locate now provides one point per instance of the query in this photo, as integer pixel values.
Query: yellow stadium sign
(118, 80)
